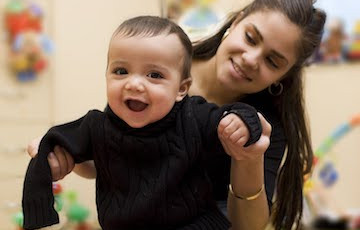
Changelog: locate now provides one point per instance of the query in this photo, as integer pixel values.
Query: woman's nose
(135, 83)
(251, 59)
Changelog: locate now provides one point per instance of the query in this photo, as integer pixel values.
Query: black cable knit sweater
(148, 178)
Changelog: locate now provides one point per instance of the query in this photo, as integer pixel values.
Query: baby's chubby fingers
(239, 137)
(228, 125)
(233, 128)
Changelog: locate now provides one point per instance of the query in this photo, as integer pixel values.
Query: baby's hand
(234, 134)
(232, 130)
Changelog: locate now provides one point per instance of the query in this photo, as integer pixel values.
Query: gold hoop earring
(276, 89)
(225, 35)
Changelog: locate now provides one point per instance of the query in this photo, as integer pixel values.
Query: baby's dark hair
(149, 26)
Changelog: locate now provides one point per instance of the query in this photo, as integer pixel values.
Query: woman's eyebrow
(257, 32)
(277, 54)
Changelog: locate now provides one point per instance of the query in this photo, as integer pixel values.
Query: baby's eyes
(123, 71)
(120, 71)
(155, 75)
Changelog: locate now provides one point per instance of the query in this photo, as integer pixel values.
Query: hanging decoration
(29, 46)
(197, 17)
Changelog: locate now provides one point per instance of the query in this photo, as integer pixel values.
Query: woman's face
(258, 51)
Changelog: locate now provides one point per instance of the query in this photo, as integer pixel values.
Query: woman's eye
(249, 39)
(272, 63)
(120, 71)
(155, 75)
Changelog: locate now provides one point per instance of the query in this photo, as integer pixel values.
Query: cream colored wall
(333, 98)
(25, 112)
(81, 38)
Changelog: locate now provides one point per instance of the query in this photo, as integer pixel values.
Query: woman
(256, 57)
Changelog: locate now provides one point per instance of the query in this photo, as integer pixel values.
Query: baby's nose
(135, 83)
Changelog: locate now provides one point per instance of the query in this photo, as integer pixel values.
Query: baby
(151, 143)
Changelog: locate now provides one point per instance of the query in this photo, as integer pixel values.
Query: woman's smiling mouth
(239, 71)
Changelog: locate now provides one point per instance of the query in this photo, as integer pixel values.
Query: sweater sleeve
(209, 115)
(38, 199)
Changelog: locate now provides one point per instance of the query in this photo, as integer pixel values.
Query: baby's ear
(184, 88)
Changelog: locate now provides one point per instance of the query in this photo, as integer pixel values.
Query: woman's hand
(233, 134)
(60, 161)
(246, 178)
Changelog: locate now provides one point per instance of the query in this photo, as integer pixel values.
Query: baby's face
(144, 77)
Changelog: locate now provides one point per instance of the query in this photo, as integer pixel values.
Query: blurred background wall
(75, 83)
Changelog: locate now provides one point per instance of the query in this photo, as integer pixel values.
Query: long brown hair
(287, 209)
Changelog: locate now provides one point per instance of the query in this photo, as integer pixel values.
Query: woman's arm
(62, 163)
(247, 179)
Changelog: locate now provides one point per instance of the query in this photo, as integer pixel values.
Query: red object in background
(20, 22)
(315, 160)
(15, 23)
(57, 189)
(40, 65)
(354, 55)
(83, 226)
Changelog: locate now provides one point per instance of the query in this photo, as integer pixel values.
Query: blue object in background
(328, 174)
(26, 76)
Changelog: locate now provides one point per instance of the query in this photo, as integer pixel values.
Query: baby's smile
(135, 105)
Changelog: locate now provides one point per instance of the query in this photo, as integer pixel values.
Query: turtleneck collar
(149, 130)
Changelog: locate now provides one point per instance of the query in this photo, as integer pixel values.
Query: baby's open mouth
(136, 105)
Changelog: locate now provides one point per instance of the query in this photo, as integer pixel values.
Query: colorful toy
(65, 202)
(199, 19)
(20, 17)
(332, 48)
(59, 202)
(18, 220)
(354, 49)
(316, 201)
(29, 55)
(75, 212)
(338, 133)
(328, 174)
(29, 47)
